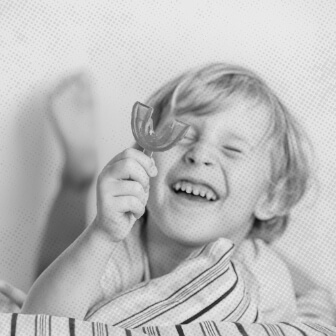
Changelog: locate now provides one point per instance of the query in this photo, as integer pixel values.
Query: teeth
(177, 186)
(195, 190)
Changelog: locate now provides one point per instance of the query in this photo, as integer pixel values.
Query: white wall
(131, 47)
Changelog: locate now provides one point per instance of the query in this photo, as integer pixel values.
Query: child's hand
(122, 192)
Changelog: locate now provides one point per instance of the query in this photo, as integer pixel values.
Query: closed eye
(232, 149)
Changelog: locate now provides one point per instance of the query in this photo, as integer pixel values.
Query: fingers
(120, 217)
(12, 293)
(123, 171)
(129, 188)
(122, 192)
(131, 205)
(143, 160)
(132, 165)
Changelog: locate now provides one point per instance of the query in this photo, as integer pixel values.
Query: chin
(186, 237)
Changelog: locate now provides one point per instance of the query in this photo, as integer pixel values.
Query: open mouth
(195, 191)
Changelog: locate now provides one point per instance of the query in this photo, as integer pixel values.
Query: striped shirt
(261, 280)
(206, 286)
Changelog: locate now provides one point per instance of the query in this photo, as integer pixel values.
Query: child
(236, 175)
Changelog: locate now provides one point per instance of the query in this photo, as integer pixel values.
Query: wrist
(110, 229)
(97, 239)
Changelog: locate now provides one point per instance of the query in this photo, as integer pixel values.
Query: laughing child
(161, 248)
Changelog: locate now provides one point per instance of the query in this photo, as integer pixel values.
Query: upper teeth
(196, 189)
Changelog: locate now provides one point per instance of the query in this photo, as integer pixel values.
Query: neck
(164, 253)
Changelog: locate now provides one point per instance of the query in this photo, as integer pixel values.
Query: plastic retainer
(147, 138)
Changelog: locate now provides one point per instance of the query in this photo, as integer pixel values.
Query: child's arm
(70, 286)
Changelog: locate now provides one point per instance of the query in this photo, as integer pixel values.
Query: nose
(200, 154)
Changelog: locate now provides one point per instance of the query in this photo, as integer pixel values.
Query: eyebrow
(234, 136)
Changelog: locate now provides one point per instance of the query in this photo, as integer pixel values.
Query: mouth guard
(147, 138)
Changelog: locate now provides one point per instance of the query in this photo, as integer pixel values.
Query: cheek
(165, 161)
(250, 180)
(154, 190)
(165, 158)
(157, 183)
(160, 161)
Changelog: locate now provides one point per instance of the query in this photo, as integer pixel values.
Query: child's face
(222, 156)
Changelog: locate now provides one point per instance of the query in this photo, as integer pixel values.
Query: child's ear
(266, 208)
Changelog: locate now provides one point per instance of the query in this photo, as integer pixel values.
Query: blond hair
(203, 90)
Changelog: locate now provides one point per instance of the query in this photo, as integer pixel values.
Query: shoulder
(259, 257)
(276, 288)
